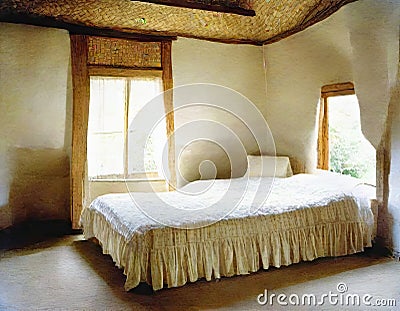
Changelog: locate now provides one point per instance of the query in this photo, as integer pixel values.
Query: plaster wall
(34, 123)
(359, 43)
(36, 106)
(390, 227)
(236, 67)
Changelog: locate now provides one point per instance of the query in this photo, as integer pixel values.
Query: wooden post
(166, 62)
(80, 114)
(323, 135)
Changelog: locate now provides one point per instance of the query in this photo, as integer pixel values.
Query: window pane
(145, 147)
(107, 105)
(105, 155)
(142, 91)
(350, 152)
(106, 126)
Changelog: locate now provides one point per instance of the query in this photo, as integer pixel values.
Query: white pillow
(268, 166)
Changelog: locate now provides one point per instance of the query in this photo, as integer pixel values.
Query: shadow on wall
(208, 160)
(215, 128)
(39, 188)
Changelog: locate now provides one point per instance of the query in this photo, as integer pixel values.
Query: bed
(304, 217)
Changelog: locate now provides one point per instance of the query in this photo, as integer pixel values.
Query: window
(120, 58)
(349, 152)
(342, 147)
(114, 146)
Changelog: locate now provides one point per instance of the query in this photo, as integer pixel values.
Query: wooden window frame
(81, 71)
(336, 89)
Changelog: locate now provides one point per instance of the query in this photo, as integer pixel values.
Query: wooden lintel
(223, 7)
(124, 72)
(337, 87)
(338, 93)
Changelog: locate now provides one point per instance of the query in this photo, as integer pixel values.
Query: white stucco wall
(296, 69)
(391, 228)
(373, 28)
(238, 67)
(36, 106)
(34, 165)
(359, 43)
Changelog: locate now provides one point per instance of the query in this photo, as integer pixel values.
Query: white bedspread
(302, 218)
(136, 213)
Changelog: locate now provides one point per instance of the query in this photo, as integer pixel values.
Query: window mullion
(126, 125)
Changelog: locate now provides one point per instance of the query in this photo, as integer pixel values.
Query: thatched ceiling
(274, 19)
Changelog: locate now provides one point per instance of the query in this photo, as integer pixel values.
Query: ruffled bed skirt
(171, 257)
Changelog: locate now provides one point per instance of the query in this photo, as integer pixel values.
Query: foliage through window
(350, 153)
(114, 148)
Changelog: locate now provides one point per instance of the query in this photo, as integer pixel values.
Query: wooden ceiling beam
(215, 6)
(81, 29)
(110, 32)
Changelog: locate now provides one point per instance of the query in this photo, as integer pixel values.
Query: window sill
(152, 179)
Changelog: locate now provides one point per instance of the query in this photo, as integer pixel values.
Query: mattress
(211, 229)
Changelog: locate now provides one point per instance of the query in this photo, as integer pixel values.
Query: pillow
(268, 166)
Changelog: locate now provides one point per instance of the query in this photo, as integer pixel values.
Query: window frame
(330, 90)
(105, 72)
(80, 67)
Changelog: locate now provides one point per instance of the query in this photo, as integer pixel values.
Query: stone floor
(69, 273)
